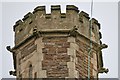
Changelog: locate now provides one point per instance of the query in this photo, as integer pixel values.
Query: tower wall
(54, 57)
(56, 45)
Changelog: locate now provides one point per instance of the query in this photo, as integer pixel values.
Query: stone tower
(56, 45)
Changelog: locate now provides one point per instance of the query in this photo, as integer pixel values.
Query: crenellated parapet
(56, 20)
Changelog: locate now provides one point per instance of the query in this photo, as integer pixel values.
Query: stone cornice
(61, 32)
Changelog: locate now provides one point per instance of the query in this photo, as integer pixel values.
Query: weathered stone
(56, 44)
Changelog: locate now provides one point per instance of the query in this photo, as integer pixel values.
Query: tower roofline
(68, 33)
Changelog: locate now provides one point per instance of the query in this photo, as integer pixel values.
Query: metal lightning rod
(90, 32)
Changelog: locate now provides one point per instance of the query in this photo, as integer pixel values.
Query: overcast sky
(105, 12)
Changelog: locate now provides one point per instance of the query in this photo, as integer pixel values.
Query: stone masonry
(56, 45)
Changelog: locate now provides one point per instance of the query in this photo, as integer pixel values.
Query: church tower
(57, 45)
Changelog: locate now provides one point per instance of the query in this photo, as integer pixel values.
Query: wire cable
(90, 32)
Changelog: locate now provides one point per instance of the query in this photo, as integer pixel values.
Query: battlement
(96, 22)
(28, 15)
(82, 13)
(39, 8)
(55, 7)
(19, 22)
(55, 20)
(57, 45)
(72, 7)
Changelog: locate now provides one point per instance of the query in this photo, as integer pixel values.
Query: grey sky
(0, 38)
(105, 12)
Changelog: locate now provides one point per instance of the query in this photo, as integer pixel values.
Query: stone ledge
(39, 8)
(72, 7)
(27, 16)
(64, 32)
(19, 22)
(55, 7)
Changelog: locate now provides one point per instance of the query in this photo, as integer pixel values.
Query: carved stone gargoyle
(9, 48)
(102, 46)
(103, 70)
(12, 73)
(73, 31)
